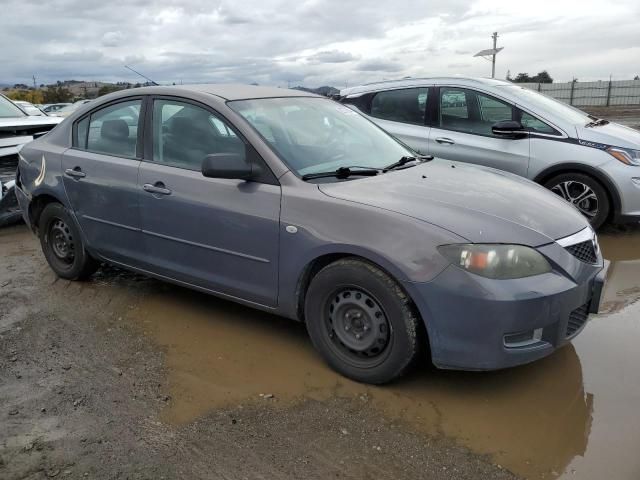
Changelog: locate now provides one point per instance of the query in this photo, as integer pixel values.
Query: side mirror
(509, 129)
(227, 165)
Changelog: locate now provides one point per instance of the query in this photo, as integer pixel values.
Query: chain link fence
(607, 93)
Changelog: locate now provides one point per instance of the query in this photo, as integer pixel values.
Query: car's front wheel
(362, 322)
(62, 244)
(585, 193)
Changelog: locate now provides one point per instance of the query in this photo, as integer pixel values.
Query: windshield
(314, 135)
(551, 105)
(8, 109)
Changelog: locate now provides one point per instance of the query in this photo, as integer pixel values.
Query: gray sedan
(295, 204)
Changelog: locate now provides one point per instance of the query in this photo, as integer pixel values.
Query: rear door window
(112, 130)
(407, 105)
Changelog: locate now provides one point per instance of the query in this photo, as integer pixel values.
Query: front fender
(403, 246)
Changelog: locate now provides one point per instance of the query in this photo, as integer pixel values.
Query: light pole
(491, 52)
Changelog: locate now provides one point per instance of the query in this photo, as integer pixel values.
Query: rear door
(101, 177)
(402, 113)
(462, 131)
(219, 234)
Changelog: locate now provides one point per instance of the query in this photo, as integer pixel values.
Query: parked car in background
(590, 162)
(294, 204)
(29, 108)
(69, 109)
(16, 129)
(54, 107)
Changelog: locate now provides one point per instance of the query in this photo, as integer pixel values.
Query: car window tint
(493, 110)
(533, 124)
(406, 105)
(184, 134)
(454, 110)
(81, 133)
(114, 130)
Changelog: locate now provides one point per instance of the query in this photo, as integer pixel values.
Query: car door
(218, 234)
(401, 112)
(100, 176)
(462, 131)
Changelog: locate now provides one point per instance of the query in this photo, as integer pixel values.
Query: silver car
(590, 162)
(297, 205)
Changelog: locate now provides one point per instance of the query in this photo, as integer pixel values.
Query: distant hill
(325, 90)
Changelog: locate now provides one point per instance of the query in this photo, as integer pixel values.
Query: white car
(16, 129)
(69, 109)
(29, 108)
(590, 162)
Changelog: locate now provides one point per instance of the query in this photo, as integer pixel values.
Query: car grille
(583, 251)
(577, 319)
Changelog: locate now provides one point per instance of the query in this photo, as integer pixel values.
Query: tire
(346, 297)
(62, 244)
(570, 186)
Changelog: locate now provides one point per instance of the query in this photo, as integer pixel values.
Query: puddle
(573, 414)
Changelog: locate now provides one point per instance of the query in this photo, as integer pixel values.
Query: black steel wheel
(362, 322)
(62, 244)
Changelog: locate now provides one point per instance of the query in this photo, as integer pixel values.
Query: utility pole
(34, 82)
(491, 52)
(493, 60)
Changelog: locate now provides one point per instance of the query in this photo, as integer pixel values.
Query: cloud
(331, 56)
(112, 39)
(274, 42)
(378, 66)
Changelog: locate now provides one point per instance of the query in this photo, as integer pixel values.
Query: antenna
(491, 52)
(138, 73)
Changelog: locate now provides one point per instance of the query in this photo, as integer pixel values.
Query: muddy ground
(128, 377)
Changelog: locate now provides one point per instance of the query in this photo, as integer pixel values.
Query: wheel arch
(38, 204)
(599, 176)
(318, 263)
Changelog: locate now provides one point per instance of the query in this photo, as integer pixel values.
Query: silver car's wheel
(583, 192)
(580, 194)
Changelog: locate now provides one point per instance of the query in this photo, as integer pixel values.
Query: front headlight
(496, 261)
(625, 155)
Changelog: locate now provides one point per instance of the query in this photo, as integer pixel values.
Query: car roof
(422, 81)
(242, 92)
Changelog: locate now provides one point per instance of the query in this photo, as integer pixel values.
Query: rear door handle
(445, 141)
(75, 172)
(157, 188)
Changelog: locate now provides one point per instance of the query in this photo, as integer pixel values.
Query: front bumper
(470, 318)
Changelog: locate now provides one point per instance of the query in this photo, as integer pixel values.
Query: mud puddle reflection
(572, 413)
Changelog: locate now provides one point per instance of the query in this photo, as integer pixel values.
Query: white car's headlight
(496, 261)
(625, 155)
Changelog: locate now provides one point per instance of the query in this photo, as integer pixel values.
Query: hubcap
(357, 324)
(580, 195)
(61, 241)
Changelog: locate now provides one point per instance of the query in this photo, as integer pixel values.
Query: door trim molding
(208, 247)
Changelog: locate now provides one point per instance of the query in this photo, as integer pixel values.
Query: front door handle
(445, 141)
(75, 172)
(157, 188)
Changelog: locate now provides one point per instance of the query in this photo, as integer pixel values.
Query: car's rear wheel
(362, 322)
(585, 193)
(62, 244)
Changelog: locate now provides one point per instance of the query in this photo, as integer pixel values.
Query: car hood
(33, 121)
(610, 134)
(478, 203)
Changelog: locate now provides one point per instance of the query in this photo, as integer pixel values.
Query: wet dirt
(571, 415)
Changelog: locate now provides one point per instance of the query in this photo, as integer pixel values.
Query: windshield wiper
(596, 122)
(404, 160)
(344, 172)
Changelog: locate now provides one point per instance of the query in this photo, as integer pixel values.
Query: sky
(313, 42)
